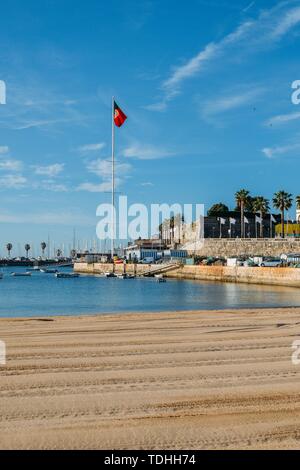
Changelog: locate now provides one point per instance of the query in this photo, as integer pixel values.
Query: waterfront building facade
(227, 226)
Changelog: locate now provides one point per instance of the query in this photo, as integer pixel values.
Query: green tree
(282, 201)
(43, 246)
(261, 205)
(217, 210)
(27, 249)
(242, 199)
(9, 247)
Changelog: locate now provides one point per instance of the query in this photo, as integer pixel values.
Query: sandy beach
(188, 380)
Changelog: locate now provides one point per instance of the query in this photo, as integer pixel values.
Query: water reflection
(43, 294)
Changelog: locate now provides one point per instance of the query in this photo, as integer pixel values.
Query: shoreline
(142, 313)
(175, 380)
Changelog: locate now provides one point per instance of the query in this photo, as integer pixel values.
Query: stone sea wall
(264, 276)
(250, 247)
(101, 268)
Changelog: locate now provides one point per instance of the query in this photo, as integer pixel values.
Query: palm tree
(261, 205)
(282, 201)
(160, 229)
(9, 248)
(43, 246)
(242, 198)
(172, 226)
(298, 204)
(27, 249)
(166, 231)
(178, 226)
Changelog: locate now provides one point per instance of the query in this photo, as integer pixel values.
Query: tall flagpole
(113, 181)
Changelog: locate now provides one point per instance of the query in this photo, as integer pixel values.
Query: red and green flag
(119, 116)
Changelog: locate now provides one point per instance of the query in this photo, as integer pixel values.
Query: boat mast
(113, 182)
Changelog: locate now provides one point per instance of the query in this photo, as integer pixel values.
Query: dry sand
(189, 380)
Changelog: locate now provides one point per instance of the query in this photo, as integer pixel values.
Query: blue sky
(206, 86)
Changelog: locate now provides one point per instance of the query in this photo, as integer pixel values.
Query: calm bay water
(45, 295)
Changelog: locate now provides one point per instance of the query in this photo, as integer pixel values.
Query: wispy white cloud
(147, 183)
(272, 152)
(282, 119)
(103, 168)
(34, 123)
(52, 185)
(92, 147)
(289, 20)
(159, 106)
(146, 152)
(171, 86)
(247, 8)
(11, 165)
(103, 187)
(47, 218)
(44, 102)
(50, 170)
(271, 26)
(232, 101)
(35, 106)
(12, 181)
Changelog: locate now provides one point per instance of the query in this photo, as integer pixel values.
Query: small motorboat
(49, 271)
(27, 274)
(110, 275)
(126, 276)
(66, 275)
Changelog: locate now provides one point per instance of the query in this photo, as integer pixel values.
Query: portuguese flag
(119, 116)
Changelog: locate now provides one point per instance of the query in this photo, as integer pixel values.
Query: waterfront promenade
(190, 380)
